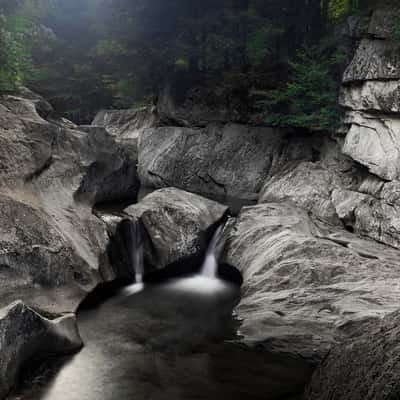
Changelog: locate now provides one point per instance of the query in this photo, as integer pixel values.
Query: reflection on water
(157, 342)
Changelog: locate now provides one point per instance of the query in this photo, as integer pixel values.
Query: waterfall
(134, 248)
(210, 264)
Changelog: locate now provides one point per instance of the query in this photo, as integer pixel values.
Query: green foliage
(396, 32)
(309, 99)
(259, 43)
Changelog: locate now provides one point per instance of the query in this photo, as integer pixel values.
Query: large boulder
(306, 286)
(364, 368)
(176, 223)
(24, 335)
(38, 262)
(219, 161)
(50, 178)
(126, 125)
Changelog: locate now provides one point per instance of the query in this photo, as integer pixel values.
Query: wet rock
(366, 367)
(307, 285)
(24, 335)
(176, 223)
(219, 161)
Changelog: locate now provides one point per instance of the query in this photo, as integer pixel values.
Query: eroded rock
(176, 222)
(24, 334)
(306, 286)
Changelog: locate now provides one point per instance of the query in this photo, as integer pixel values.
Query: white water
(136, 251)
(210, 265)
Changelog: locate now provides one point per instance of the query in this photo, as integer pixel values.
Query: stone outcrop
(371, 87)
(306, 285)
(125, 125)
(365, 368)
(24, 334)
(50, 177)
(53, 250)
(219, 161)
(176, 223)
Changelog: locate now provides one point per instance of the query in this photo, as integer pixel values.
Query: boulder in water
(25, 335)
(175, 223)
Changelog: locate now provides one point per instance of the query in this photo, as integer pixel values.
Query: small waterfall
(210, 265)
(134, 248)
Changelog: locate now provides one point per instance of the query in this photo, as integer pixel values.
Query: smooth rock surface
(126, 125)
(219, 161)
(176, 222)
(24, 334)
(306, 286)
(52, 176)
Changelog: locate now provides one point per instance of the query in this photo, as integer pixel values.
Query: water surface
(162, 342)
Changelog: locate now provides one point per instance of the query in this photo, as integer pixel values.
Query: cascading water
(210, 264)
(134, 247)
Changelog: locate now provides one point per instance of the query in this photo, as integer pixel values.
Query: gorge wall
(318, 243)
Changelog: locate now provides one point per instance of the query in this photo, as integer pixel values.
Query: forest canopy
(283, 58)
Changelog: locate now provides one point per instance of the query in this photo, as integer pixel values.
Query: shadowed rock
(24, 334)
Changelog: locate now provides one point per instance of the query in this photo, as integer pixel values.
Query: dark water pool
(162, 342)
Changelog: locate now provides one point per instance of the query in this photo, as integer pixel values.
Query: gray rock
(306, 287)
(384, 21)
(176, 222)
(309, 185)
(24, 334)
(219, 161)
(374, 60)
(364, 368)
(53, 176)
(38, 262)
(126, 125)
(372, 96)
(374, 141)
